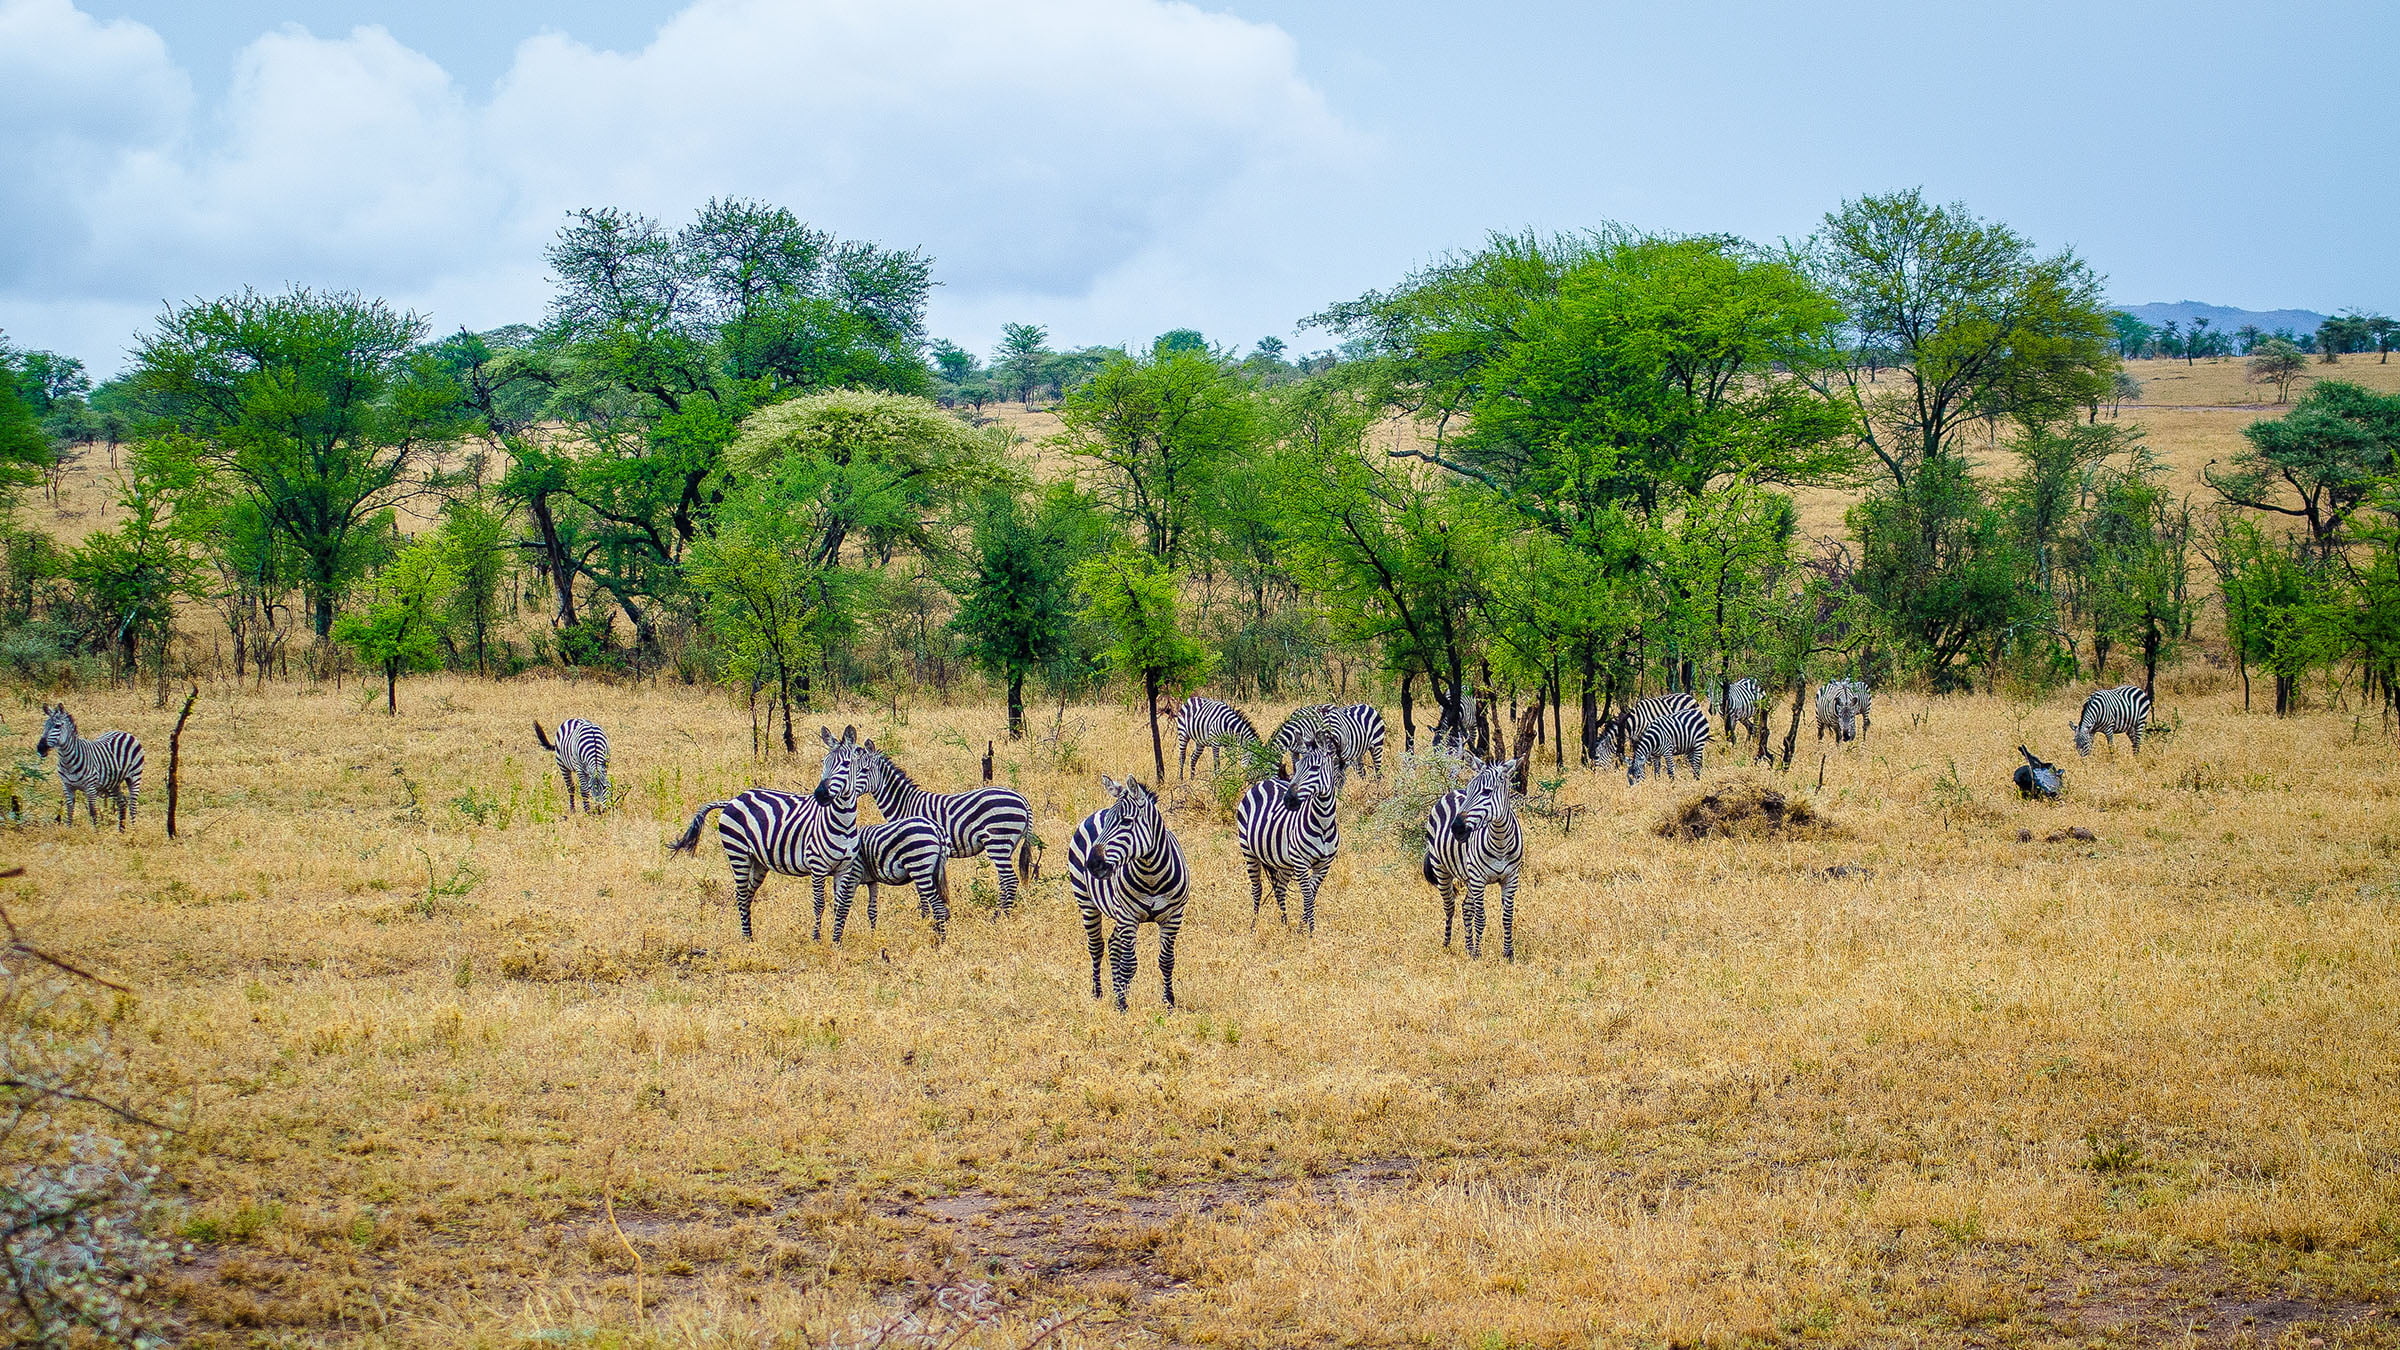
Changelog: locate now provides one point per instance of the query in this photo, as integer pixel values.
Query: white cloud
(1109, 167)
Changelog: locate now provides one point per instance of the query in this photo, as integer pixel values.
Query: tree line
(1547, 474)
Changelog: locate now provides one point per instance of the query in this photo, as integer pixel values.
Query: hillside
(2225, 318)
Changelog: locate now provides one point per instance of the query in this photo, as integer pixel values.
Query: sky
(1115, 168)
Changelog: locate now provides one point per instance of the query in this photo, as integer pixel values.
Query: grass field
(431, 1034)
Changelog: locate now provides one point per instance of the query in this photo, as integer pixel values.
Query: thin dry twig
(608, 1206)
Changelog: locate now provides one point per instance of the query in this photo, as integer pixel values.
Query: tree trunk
(321, 613)
(391, 688)
(1016, 705)
(175, 754)
(1591, 705)
(2150, 645)
(1158, 748)
(1791, 733)
(1408, 710)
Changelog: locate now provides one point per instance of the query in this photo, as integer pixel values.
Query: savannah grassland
(460, 1069)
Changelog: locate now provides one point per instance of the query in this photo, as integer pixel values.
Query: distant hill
(2225, 318)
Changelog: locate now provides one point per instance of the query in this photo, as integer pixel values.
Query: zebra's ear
(1110, 784)
(849, 735)
(826, 736)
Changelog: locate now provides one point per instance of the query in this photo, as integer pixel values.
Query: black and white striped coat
(2125, 708)
(897, 853)
(109, 764)
(1124, 863)
(1206, 722)
(1837, 711)
(582, 752)
(1471, 841)
(766, 830)
(996, 822)
(1287, 830)
(1627, 730)
(1361, 728)
(1675, 731)
(1745, 709)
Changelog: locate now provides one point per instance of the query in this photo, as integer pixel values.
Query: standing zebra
(1676, 731)
(1471, 841)
(1862, 703)
(1308, 722)
(1206, 722)
(1360, 727)
(2125, 708)
(896, 853)
(1745, 709)
(765, 830)
(1836, 710)
(108, 764)
(1630, 724)
(1125, 864)
(1287, 830)
(582, 750)
(996, 822)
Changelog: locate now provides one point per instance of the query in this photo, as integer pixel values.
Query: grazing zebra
(896, 853)
(1745, 708)
(582, 750)
(1360, 726)
(1862, 703)
(109, 763)
(1676, 731)
(1471, 841)
(1631, 723)
(1836, 709)
(765, 830)
(1308, 722)
(1206, 722)
(1287, 830)
(2125, 708)
(1125, 864)
(996, 822)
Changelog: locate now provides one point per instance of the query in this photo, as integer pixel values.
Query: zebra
(894, 853)
(582, 750)
(1124, 863)
(1837, 710)
(1676, 731)
(1287, 830)
(1471, 841)
(1360, 726)
(1745, 708)
(996, 822)
(108, 764)
(2125, 708)
(1862, 703)
(766, 830)
(1206, 722)
(1631, 723)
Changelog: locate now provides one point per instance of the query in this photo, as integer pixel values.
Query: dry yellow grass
(1986, 1092)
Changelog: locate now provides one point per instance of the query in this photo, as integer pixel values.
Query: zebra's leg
(574, 793)
(873, 891)
(1121, 958)
(1002, 853)
(91, 806)
(1258, 897)
(123, 812)
(2134, 734)
(816, 885)
(133, 798)
(745, 889)
(1697, 755)
(845, 891)
(1310, 878)
(1168, 927)
(1449, 910)
(1508, 914)
(1091, 939)
(1280, 880)
(1470, 922)
(930, 897)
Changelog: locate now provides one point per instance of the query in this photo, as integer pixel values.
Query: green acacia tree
(1153, 435)
(400, 627)
(2320, 463)
(134, 574)
(1016, 599)
(1136, 599)
(474, 538)
(322, 409)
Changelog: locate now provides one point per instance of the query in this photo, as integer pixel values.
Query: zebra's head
(58, 728)
(2083, 734)
(845, 768)
(876, 772)
(1315, 776)
(1487, 794)
(1130, 826)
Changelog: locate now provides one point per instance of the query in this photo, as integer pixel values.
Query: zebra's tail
(941, 880)
(691, 834)
(543, 737)
(1026, 863)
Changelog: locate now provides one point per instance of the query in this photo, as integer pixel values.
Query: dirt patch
(1113, 1247)
(1744, 808)
(2207, 1305)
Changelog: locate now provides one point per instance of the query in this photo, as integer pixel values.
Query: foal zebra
(765, 830)
(996, 822)
(1675, 731)
(1124, 863)
(108, 764)
(2125, 708)
(582, 750)
(896, 853)
(1471, 841)
(1206, 722)
(1287, 830)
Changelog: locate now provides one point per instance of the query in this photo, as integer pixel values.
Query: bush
(1243, 763)
(1415, 783)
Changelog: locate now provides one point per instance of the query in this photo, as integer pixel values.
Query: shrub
(1415, 783)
